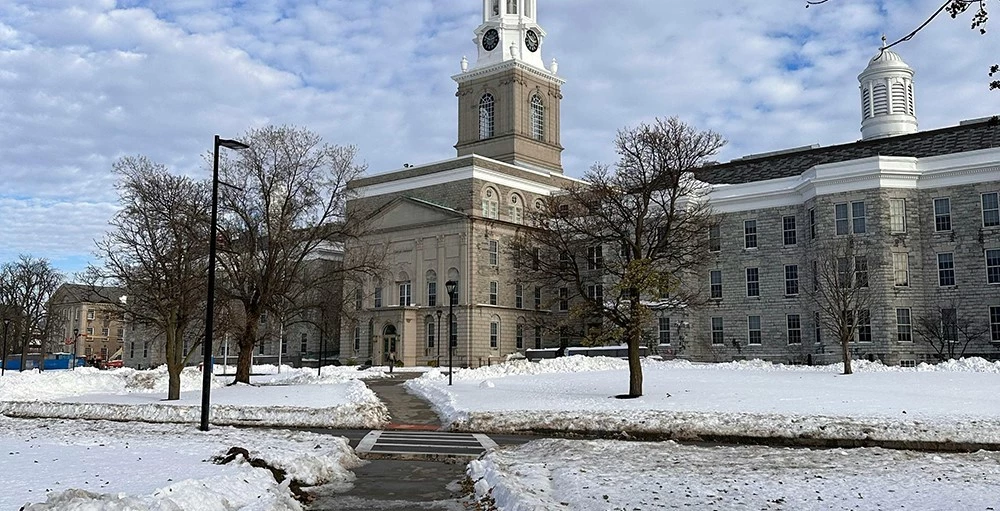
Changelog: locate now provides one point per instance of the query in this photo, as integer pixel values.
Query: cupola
(887, 107)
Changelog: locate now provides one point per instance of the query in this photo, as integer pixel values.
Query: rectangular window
(357, 340)
(858, 217)
(901, 268)
(794, 324)
(718, 334)
(405, 297)
(664, 330)
(538, 298)
(90, 314)
(519, 336)
(494, 335)
(840, 218)
(819, 327)
(897, 216)
(260, 348)
(494, 290)
(145, 349)
(993, 266)
(750, 234)
(946, 269)
(131, 350)
(564, 299)
(535, 259)
(753, 282)
(595, 258)
(788, 228)
(357, 299)
(864, 326)
(716, 284)
(105, 332)
(995, 324)
(942, 214)
(596, 293)
(861, 271)
(519, 296)
(753, 330)
(908, 363)
(714, 238)
(991, 209)
(791, 279)
(429, 325)
(949, 325)
(378, 297)
(812, 223)
(90, 331)
(815, 276)
(904, 326)
(432, 294)
(494, 253)
(453, 331)
(303, 343)
(565, 259)
(284, 346)
(538, 337)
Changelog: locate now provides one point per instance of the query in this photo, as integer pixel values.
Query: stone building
(87, 320)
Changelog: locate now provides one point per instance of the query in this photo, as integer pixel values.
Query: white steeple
(509, 32)
(887, 107)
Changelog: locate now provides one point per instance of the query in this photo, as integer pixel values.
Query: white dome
(886, 59)
(887, 105)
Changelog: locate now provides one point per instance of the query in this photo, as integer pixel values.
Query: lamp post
(3, 361)
(439, 339)
(76, 337)
(206, 383)
(452, 288)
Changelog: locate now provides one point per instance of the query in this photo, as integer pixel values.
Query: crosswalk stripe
(424, 443)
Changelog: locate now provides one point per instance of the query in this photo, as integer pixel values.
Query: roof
(970, 136)
(83, 293)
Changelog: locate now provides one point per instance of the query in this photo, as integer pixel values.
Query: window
(491, 208)
(856, 222)
(494, 289)
(753, 282)
(840, 218)
(145, 349)
(991, 209)
(90, 331)
(897, 216)
(486, 116)
(812, 223)
(519, 336)
(794, 324)
(815, 275)
(901, 268)
(357, 299)
(538, 297)
(378, 296)
(907, 363)
(714, 239)
(303, 342)
(429, 325)
(131, 350)
(995, 324)
(942, 214)
(537, 118)
(715, 284)
(432, 294)
(595, 258)
(534, 259)
(494, 253)
(596, 293)
(405, 297)
(858, 217)
(453, 331)
(564, 299)
(90, 314)
(791, 279)
(904, 326)
(750, 234)
(519, 296)
(284, 346)
(788, 227)
(993, 266)
(260, 348)
(861, 271)
(357, 339)
(718, 333)
(946, 269)
(495, 333)
(949, 325)
(538, 337)
(864, 326)
(753, 330)
(565, 259)
(105, 332)
(664, 330)
(819, 327)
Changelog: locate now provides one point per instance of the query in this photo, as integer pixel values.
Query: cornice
(506, 65)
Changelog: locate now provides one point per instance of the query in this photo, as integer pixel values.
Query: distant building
(87, 321)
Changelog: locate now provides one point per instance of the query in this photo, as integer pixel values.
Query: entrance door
(390, 341)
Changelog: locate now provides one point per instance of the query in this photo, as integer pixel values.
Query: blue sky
(84, 83)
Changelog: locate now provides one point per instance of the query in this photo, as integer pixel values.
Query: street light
(206, 383)
(3, 361)
(452, 288)
(439, 339)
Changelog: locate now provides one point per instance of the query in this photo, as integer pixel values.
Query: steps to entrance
(423, 445)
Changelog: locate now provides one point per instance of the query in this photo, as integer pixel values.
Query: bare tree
(950, 330)
(842, 290)
(25, 288)
(953, 8)
(629, 236)
(286, 201)
(156, 251)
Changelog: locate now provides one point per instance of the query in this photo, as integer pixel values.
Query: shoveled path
(406, 411)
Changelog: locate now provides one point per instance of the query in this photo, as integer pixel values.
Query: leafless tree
(950, 330)
(286, 201)
(25, 287)
(629, 237)
(842, 292)
(156, 251)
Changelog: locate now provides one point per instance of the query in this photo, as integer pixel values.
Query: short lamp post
(76, 337)
(3, 361)
(207, 369)
(452, 288)
(439, 339)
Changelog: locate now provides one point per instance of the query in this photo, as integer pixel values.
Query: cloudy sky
(84, 82)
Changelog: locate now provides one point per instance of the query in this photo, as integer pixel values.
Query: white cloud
(84, 83)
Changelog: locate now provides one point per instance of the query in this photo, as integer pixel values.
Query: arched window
(486, 116)
(537, 118)
(491, 206)
(495, 333)
(405, 290)
(432, 289)
(516, 210)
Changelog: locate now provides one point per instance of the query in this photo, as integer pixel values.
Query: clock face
(531, 41)
(491, 39)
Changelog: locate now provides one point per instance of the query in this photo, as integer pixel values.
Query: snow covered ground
(613, 475)
(956, 401)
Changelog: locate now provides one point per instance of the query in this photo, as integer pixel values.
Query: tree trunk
(634, 341)
(846, 352)
(174, 379)
(246, 343)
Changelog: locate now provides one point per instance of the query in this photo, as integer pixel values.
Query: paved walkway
(406, 411)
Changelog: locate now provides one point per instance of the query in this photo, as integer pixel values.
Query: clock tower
(508, 101)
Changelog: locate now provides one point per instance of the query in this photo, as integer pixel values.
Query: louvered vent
(880, 100)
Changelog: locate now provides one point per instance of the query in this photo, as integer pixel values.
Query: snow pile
(573, 364)
(51, 385)
(562, 474)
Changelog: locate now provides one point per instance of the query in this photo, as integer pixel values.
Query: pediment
(404, 212)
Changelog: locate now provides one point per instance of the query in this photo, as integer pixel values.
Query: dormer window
(486, 116)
